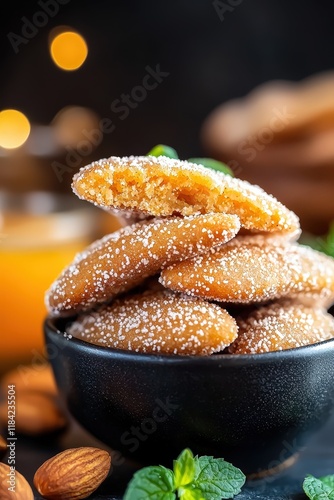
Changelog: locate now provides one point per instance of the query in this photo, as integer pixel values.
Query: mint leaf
(194, 478)
(329, 480)
(162, 150)
(184, 469)
(324, 244)
(316, 489)
(214, 164)
(155, 483)
(217, 479)
(330, 241)
(190, 492)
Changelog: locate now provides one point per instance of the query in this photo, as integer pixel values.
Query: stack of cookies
(207, 264)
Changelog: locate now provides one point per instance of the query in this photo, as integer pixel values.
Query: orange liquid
(34, 250)
(26, 274)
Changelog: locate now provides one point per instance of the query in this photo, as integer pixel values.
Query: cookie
(281, 326)
(251, 269)
(158, 322)
(151, 186)
(123, 259)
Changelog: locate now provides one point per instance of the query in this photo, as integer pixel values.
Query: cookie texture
(123, 259)
(161, 186)
(204, 263)
(158, 322)
(281, 326)
(249, 269)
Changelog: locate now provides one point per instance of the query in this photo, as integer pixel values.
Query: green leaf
(315, 242)
(214, 164)
(184, 468)
(324, 244)
(162, 150)
(316, 489)
(190, 492)
(155, 483)
(329, 480)
(217, 479)
(330, 241)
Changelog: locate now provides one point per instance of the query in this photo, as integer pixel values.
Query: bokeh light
(73, 124)
(14, 128)
(69, 50)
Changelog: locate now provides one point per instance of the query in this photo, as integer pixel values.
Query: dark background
(209, 60)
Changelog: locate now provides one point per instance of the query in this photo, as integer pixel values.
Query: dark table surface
(317, 458)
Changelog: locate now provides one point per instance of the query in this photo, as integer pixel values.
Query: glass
(40, 233)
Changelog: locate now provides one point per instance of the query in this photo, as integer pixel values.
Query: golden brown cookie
(281, 326)
(123, 259)
(250, 269)
(163, 186)
(158, 322)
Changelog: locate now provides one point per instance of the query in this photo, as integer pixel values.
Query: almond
(73, 474)
(3, 447)
(36, 413)
(30, 377)
(13, 486)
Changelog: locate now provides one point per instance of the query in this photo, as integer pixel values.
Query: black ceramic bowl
(253, 410)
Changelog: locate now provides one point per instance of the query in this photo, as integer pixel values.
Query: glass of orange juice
(40, 233)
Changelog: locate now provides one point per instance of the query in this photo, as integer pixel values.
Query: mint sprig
(214, 164)
(323, 244)
(217, 479)
(192, 478)
(329, 480)
(155, 483)
(184, 469)
(190, 492)
(319, 488)
(163, 150)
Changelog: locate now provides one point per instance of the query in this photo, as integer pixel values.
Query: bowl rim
(50, 328)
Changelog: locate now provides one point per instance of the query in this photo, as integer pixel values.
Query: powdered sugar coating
(158, 322)
(281, 326)
(162, 186)
(250, 269)
(123, 259)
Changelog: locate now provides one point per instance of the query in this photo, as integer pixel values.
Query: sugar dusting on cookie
(281, 326)
(247, 269)
(210, 237)
(162, 186)
(158, 322)
(123, 259)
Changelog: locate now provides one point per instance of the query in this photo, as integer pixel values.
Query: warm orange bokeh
(14, 128)
(69, 50)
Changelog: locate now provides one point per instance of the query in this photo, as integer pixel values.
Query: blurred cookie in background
(281, 137)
